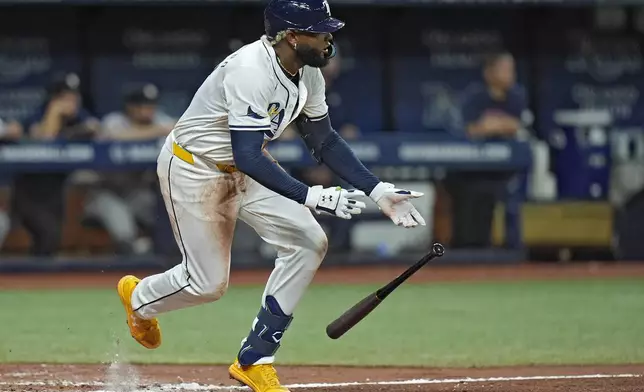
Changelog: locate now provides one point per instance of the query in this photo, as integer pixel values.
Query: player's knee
(317, 243)
(322, 243)
(212, 291)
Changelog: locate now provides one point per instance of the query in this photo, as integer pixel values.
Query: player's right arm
(247, 99)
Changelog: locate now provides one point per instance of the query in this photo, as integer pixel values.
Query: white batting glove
(334, 201)
(395, 203)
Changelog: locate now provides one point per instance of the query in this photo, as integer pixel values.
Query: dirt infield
(180, 378)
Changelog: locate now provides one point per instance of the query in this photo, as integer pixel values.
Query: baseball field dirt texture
(574, 328)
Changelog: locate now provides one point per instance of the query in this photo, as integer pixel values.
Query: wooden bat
(360, 310)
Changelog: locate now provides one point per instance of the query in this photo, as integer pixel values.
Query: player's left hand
(395, 203)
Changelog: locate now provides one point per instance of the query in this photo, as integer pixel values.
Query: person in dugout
(10, 132)
(493, 110)
(38, 201)
(125, 202)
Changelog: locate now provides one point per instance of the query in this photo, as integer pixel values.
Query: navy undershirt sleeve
(338, 156)
(247, 152)
(330, 148)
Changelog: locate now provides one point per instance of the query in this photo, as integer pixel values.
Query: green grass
(448, 324)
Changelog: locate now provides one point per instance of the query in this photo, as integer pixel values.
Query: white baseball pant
(203, 202)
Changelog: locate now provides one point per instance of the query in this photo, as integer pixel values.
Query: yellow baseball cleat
(146, 332)
(259, 378)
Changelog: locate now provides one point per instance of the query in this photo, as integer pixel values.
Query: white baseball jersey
(248, 91)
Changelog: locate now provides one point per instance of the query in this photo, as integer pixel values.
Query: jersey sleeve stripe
(267, 130)
(318, 118)
(248, 126)
(253, 130)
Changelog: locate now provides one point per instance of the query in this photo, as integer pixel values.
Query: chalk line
(205, 387)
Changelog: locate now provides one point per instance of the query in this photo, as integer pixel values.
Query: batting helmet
(313, 16)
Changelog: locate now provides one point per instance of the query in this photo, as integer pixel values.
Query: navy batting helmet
(313, 16)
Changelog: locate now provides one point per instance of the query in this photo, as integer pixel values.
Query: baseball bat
(360, 310)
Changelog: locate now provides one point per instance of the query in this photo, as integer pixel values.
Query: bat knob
(438, 249)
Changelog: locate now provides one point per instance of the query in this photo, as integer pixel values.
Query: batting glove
(334, 201)
(395, 203)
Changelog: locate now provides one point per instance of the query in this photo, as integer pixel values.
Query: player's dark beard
(310, 56)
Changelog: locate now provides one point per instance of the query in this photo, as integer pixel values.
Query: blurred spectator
(141, 119)
(63, 116)
(10, 132)
(126, 201)
(494, 110)
(490, 112)
(39, 198)
(5, 226)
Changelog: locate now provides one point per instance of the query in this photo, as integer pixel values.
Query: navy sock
(274, 307)
(264, 339)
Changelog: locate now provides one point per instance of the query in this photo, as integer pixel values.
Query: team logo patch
(327, 8)
(276, 113)
(273, 109)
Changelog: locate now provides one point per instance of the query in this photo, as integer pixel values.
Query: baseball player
(214, 170)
